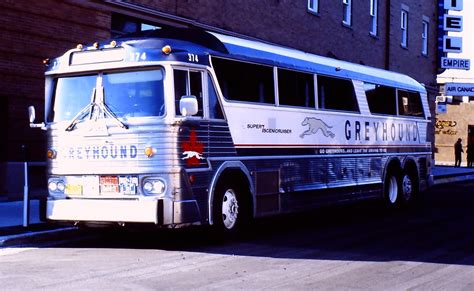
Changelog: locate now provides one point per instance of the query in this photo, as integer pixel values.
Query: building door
(470, 145)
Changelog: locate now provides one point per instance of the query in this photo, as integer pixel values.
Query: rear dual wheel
(400, 187)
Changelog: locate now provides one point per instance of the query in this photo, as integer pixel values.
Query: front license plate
(73, 189)
(128, 184)
(109, 185)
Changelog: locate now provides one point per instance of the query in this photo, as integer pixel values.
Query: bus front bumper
(161, 212)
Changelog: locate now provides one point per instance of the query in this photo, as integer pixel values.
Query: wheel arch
(225, 170)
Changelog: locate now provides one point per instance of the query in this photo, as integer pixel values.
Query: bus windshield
(126, 94)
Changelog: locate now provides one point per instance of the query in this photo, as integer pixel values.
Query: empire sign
(452, 44)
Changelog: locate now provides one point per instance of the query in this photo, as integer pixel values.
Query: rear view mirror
(32, 116)
(32, 113)
(188, 105)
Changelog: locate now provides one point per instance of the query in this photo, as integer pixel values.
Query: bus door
(193, 132)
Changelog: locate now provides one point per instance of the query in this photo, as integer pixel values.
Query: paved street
(430, 246)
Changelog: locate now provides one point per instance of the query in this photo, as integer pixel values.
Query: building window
(313, 6)
(424, 36)
(404, 28)
(373, 16)
(124, 24)
(347, 12)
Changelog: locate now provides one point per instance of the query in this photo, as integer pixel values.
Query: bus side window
(409, 103)
(336, 94)
(188, 83)
(180, 87)
(381, 99)
(215, 110)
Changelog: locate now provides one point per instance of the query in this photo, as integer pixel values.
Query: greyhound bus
(178, 127)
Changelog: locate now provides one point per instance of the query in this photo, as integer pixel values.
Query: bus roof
(220, 45)
(253, 51)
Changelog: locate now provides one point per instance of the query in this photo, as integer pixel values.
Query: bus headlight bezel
(154, 186)
(56, 186)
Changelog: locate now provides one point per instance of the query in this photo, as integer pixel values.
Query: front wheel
(230, 208)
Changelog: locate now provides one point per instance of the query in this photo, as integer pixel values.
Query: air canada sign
(459, 89)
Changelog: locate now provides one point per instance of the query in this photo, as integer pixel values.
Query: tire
(392, 189)
(409, 186)
(231, 210)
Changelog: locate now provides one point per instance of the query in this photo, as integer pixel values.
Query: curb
(35, 237)
(453, 178)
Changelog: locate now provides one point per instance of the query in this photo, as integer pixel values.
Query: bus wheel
(409, 186)
(230, 211)
(392, 189)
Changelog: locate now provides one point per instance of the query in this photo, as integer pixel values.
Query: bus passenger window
(381, 99)
(336, 94)
(295, 88)
(246, 82)
(409, 103)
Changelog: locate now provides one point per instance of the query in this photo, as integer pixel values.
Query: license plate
(73, 189)
(128, 184)
(109, 185)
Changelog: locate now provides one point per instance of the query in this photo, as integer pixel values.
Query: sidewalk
(13, 233)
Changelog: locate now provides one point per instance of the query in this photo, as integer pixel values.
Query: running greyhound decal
(315, 125)
(192, 154)
(193, 150)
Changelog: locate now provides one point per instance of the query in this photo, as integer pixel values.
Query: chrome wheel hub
(392, 190)
(230, 209)
(407, 187)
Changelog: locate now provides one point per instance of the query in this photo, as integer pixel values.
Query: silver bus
(177, 127)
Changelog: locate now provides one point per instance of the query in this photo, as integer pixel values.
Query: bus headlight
(56, 186)
(154, 186)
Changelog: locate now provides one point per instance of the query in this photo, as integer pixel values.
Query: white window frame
(404, 26)
(313, 6)
(347, 12)
(374, 17)
(424, 35)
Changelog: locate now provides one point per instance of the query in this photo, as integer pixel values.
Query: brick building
(397, 35)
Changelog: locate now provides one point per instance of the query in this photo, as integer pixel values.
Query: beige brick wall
(448, 128)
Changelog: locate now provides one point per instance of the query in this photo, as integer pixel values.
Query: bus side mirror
(32, 116)
(188, 105)
(32, 113)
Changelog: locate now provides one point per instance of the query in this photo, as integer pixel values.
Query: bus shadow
(438, 229)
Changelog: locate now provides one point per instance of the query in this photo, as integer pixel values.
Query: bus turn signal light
(149, 152)
(166, 49)
(51, 154)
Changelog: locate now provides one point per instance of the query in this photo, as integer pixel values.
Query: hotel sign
(451, 44)
(451, 63)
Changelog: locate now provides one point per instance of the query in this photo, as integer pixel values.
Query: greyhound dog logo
(192, 154)
(192, 150)
(315, 125)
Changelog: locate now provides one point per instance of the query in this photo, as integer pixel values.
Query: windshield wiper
(81, 113)
(105, 109)
(97, 99)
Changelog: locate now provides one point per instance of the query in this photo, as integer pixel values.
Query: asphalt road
(363, 246)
